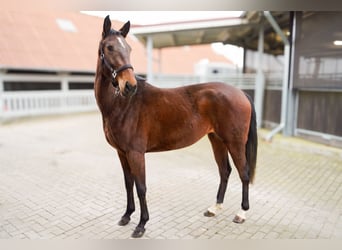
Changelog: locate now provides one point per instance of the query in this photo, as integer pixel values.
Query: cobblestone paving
(60, 180)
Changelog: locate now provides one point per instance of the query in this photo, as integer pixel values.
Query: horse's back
(220, 97)
(209, 89)
(212, 99)
(218, 88)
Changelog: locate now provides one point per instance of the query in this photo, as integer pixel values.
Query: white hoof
(240, 217)
(213, 210)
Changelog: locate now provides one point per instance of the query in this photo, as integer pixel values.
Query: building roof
(68, 41)
(35, 40)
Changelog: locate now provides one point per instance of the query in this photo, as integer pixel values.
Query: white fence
(243, 81)
(32, 103)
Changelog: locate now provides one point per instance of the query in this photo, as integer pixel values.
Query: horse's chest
(110, 135)
(116, 136)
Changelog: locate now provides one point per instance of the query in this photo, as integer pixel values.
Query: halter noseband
(114, 72)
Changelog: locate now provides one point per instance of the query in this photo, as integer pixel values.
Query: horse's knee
(141, 190)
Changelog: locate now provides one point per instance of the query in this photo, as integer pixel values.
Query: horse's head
(114, 53)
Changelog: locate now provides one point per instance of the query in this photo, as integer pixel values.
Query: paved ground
(60, 179)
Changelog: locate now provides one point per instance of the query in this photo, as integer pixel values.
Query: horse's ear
(125, 29)
(107, 25)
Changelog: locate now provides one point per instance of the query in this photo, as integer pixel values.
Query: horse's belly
(179, 138)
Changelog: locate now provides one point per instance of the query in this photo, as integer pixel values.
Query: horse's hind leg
(222, 160)
(237, 151)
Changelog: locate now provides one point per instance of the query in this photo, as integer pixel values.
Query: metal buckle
(117, 91)
(114, 74)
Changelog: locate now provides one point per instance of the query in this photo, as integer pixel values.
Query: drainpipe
(149, 48)
(284, 95)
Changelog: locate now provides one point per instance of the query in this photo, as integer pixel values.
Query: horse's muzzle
(129, 90)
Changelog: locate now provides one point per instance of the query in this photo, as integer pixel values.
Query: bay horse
(140, 118)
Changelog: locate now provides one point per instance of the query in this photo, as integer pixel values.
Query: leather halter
(114, 72)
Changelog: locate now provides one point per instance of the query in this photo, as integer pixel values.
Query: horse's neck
(109, 102)
(104, 93)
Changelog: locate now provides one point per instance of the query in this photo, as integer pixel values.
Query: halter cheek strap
(115, 72)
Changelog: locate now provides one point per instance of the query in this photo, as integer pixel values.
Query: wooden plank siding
(271, 106)
(320, 111)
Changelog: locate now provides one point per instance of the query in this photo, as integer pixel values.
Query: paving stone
(68, 184)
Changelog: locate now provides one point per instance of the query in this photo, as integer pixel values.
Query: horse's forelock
(112, 32)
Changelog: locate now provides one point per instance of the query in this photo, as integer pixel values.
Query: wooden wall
(320, 112)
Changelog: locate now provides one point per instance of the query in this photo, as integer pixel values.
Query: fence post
(1, 96)
(64, 91)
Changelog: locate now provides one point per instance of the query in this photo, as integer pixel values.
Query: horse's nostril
(130, 89)
(128, 86)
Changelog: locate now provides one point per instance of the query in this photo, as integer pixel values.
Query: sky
(233, 53)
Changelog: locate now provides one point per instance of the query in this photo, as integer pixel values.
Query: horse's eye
(110, 48)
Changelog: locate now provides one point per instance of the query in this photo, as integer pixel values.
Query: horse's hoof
(209, 214)
(124, 221)
(238, 219)
(138, 232)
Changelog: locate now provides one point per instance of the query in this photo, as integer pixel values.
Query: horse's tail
(252, 143)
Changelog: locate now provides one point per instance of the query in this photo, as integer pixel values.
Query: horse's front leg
(129, 182)
(136, 161)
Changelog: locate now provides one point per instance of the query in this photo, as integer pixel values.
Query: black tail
(252, 143)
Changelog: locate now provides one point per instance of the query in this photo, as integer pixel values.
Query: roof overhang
(241, 31)
(191, 33)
